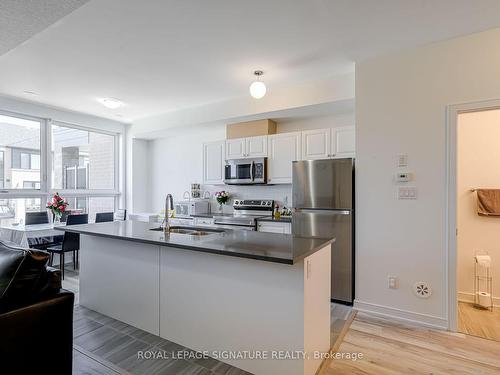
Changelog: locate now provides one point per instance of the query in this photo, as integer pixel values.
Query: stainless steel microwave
(246, 171)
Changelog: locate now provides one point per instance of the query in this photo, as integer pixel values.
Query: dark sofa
(36, 315)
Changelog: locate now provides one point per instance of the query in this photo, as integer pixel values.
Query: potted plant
(222, 197)
(57, 206)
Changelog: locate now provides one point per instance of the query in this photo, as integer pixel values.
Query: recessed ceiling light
(111, 103)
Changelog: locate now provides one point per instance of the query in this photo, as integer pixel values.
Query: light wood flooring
(390, 348)
(479, 322)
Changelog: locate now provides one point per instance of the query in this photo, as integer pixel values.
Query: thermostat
(402, 176)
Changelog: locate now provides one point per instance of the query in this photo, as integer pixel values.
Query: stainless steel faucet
(169, 205)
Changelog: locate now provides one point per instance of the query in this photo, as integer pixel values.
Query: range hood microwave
(251, 171)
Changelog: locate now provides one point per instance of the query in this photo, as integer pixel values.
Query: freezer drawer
(327, 224)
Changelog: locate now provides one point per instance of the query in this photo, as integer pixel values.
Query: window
(1, 169)
(91, 205)
(14, 210)
(82, 159)
(20, 145)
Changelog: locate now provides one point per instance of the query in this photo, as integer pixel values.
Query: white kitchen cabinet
(316, 144)
(328, 143)
(235, 148)
(343, 142)
(214, 162)
(256, 147)
(274, 227)
(251, 147)
(284, 148)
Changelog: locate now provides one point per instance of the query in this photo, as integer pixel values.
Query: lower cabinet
(274, 227)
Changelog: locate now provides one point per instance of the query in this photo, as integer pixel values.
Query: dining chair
(71, 242)
(102, 217)
(32, 218)
(121, 214)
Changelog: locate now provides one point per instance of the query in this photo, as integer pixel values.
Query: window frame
(21, 193)
(46, 190)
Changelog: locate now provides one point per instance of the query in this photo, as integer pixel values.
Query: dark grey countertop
(270, 247)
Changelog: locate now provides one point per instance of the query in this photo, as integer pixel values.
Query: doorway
(474, 211)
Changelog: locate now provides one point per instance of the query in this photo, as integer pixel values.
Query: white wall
(401, 104)
(176, 161)
(478, 160)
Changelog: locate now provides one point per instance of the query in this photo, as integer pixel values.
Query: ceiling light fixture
(258, 88)
(110, 103)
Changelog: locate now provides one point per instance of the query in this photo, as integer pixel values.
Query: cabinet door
(256, 147)
(283, 149)
(213, 162)
(274, 227)
(235, 148)
(343, 142)
(316, 144)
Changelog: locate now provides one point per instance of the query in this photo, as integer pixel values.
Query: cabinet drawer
(274, 227)
(203, 221)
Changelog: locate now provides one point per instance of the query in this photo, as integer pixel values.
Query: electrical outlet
(393, 282)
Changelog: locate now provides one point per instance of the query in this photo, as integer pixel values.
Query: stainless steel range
(246, 213)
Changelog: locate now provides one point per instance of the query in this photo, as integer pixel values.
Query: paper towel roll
(483, 260)
(484, 299)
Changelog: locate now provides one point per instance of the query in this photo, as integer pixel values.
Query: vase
(57, 219)
(221, 207)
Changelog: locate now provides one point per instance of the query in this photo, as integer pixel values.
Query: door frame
(452, 113)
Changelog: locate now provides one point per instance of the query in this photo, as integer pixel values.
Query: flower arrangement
(222, 197)
(57, 206)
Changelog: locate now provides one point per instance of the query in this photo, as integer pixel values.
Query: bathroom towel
(488, 202)
(483, 260)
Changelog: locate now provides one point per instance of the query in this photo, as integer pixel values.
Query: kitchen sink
(192, 231)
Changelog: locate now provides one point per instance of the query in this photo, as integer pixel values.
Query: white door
(256, 147)
(214, 162)
(343, 142)
(316, 144)
(283, 149)
(235, 148)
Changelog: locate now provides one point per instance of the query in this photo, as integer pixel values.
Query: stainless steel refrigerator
(323, 200)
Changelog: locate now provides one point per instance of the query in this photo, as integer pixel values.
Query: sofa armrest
(38, 336)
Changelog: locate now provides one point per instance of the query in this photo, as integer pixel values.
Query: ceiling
(163, 55)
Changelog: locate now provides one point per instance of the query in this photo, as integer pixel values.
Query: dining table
(31, 235)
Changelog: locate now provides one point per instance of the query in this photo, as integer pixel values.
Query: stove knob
(268, 203)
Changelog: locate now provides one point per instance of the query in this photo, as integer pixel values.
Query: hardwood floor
(392, 348)
(479, 322)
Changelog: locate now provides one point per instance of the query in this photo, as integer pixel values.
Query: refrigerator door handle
(315, 211)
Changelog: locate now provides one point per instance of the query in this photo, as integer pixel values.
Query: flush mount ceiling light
(110, 103)
(258, 88)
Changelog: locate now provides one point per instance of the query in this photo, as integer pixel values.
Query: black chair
(102, 217)
(36, 315)
(32, 218)
(121, 215)
(71, 242)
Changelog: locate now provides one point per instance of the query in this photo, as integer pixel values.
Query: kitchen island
(258, 301)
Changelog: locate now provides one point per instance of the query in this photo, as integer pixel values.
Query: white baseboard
(403, 316)
(469, 298)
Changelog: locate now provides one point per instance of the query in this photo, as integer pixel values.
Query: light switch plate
(407, 192)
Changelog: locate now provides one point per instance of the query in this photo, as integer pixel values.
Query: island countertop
(270, 247)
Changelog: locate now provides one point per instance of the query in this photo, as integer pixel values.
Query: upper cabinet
(316, 144)
(251, 147)
(214, 162)
(328, 143)
(343, 142)
(284, 148)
